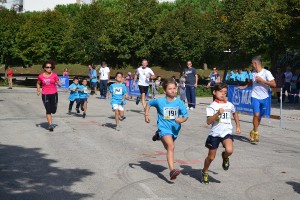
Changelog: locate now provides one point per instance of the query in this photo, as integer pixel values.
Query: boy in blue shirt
(117, 98)
(171, 113)
(93, 80)
(73, 93)
(83, 96)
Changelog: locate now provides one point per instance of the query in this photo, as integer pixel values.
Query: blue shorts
(160, 134)
(213, 142)
(260, 106)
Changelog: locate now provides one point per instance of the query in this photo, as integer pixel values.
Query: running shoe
(174, 173)
(83, 115)
(225, 163)
(256, 137)
(205, 178)
(155, 136)
(77, 110)
(137, 100)
(191, 108)
(51, 127)
(122, 118)
(118, 128)
(69, 112)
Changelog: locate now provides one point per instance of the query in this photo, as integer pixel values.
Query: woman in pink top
(66, 72)
(48, 80)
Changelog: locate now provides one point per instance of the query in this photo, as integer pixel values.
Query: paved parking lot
(89, 159)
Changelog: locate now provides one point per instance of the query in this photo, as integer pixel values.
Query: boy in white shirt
(219, 116)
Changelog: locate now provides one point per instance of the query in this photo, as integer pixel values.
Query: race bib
(85, 90)
(117, 90)
(225, 117)
(170, 113)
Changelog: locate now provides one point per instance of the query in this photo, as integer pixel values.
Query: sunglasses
(47, 67)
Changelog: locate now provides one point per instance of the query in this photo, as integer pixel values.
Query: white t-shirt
(104, 73)
(288, 76)
(259, 90)
(222, 125)
(144, 75)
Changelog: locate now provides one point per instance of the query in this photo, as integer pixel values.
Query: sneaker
(51, 127)
(174, 173)
(205, 178)
(225, 163)
(118, 128)
(187, 108)
(191, 108)
(77, 110)
(69, 112)
(155, 136)
(83, 115)
(122, 118)
(256, 137)
(137, 100)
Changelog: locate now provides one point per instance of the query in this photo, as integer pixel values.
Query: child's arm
(147, 119)
(181, 120)
(211, 119)
(237, 122)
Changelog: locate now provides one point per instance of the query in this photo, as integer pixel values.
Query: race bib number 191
(170, 113)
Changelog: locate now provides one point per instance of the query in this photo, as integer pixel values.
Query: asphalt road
(89, 159)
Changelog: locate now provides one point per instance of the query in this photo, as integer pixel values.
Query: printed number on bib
(170, 113)
(85, 90)
(224, 118)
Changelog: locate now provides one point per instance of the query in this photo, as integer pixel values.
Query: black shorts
(213, 142)
(50, 102)
(143, 89)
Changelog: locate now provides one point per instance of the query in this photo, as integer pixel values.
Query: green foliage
(122, 32)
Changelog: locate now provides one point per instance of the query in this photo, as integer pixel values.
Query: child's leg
(117, 116)
(228, 144)
(169, 146)
(121, 113)
(71, 105)
(210, 157)
(85, 106)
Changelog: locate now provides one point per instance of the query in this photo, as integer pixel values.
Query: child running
(171, 113)
(83, 97)
(219, 116)
(117, 98)
(73, 93)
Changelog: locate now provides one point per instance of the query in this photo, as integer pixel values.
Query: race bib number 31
(170, 113)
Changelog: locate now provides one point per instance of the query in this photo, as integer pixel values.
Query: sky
(40, 5)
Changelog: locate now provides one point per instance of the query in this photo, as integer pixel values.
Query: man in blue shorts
(262, 80)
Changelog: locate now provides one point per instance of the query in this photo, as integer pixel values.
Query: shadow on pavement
(242, 139)
(45, 125)
(296, 186)
(153, 168)
(137, 111)
(25, 173)
(196, 174)
(109, 125)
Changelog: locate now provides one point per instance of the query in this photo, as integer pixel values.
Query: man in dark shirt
(191, 84)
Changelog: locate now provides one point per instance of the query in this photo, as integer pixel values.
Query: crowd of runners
(171, 111)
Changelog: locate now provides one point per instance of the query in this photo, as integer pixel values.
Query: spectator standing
(10, 74)
(93, 80)
(128, 78)
(66, 72)
(104, 75)
(287, 82)
(191, 80)
(295, 85)
(214, 78)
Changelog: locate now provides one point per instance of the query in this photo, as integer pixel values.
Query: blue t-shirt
(117, 91)
(167, 112)
(190, 78)
(213, 79)
(73, 94)
(83, 92)
(94, 76)
(241, 77)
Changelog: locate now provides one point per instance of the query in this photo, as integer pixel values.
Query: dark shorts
(50, 102)
(81, 101)
(143, 89)
(213, 142)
